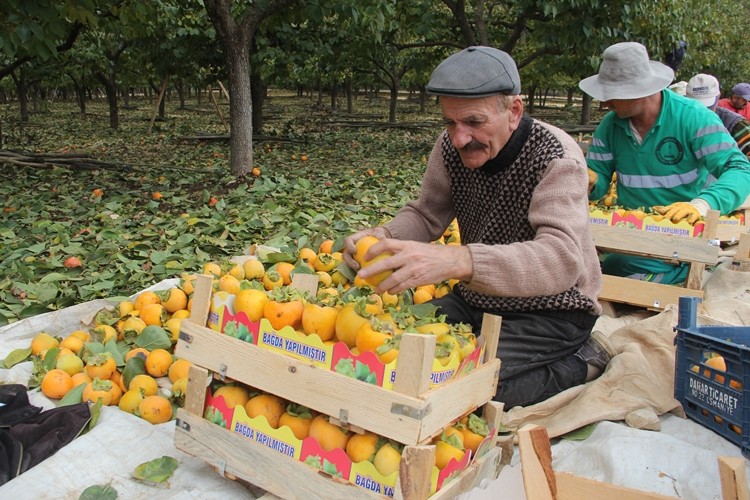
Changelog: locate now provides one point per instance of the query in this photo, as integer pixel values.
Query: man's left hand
(681, 210)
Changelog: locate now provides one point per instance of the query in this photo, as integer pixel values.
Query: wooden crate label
(665, 226)
(281, 440)
(331, 356)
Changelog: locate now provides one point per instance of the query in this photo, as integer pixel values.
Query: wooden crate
(697, 252)
(541, 482)
(235, 456)
(411, 414)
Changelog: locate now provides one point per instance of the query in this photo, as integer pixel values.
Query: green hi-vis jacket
(687, 154)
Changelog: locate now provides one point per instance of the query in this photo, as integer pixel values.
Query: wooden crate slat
(261, 466)
(655, 245)
(645, 294)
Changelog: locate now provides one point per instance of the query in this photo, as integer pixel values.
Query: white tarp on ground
(679, 460)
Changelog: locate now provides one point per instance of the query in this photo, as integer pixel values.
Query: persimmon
(130, 400)
(250, 301)
(83, 335)
(329, 436)
(233, 395)
(72, 262)
(324, 279)
(307, 254)
(142, 352)
(348, 323)
(319, 320)
(326, 246)
(154, 314)
(155, 409)
(387, 459)
(285, 271)
(145, 298)
(362, 247)
(69, 363)
(106, 390)
(298, 418)
(253, 268)
(174, 300)
(179, 369)
(421, 296)
(172, 325)
(186, 283)
(268, 405)
(80, 378)
(181, 314)
(158, 362)
(212, 268)
(237, 271)
(229, 284)
(118, 379)
(105, 333)
(281, 314)
(361, 447)
(56, 383)
(324, 262)
(370, 336)
(474, 430)
(718, 363)
(445, 452)
(146, 384)
(272, 280)
(43, 341)
(388, 352)
(73, 343)
(100, 366)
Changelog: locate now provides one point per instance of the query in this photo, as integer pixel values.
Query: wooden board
(654, 296)
(234, 455)
(403, 418)
(654, 245)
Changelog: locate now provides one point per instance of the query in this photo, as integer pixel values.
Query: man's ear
(516, 111)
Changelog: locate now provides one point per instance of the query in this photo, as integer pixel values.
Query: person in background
(517, 187)
(670, 152)
(705, 89)
(737, 102)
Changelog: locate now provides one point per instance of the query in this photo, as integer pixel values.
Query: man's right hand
(593, 177)
(350, 243)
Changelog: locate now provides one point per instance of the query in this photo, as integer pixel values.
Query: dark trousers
(535, 349)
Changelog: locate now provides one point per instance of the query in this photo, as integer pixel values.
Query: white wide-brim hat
(627, 73)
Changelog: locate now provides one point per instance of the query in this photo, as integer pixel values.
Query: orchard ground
(165, 202)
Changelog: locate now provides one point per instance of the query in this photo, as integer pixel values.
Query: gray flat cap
(476, 72)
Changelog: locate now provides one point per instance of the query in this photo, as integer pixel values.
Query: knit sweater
(523, 216)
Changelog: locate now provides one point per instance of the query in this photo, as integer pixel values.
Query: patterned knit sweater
(523, 216)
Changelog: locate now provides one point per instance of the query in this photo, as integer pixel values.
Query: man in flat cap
(670, 153)
(737, 102)
(518, 188)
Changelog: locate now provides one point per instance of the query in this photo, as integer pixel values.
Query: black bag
(28, 435)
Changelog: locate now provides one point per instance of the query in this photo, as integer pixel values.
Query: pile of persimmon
(126, 359)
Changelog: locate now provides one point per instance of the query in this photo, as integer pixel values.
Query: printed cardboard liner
(327, 355)
(334, 463)
(657, 224)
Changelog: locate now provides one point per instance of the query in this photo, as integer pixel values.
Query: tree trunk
(422, 98)
(586, 109)
(181, 92)
(240, 109)
(530, 97)
(110, 88)
(394, 101)
(334, 95)
(21, 90)
(571, 93)
(257, 97)
(349, 96)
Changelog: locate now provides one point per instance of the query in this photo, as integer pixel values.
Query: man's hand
(350, 243)
(414, 264)
(681, 210)
(593, 177)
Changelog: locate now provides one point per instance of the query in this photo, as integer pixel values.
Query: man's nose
(461, 137)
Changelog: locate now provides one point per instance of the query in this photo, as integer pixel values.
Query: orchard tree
(236, 24)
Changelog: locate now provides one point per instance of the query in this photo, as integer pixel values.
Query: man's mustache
(473, 146)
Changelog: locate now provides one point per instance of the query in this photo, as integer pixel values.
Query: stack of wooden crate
(411, 414)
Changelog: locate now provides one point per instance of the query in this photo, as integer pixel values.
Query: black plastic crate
(716, 399)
